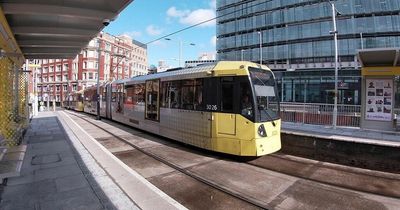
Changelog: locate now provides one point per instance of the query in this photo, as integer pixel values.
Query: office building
(293, 38)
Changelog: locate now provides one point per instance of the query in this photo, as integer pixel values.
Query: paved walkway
(344, 133)
(58, 173)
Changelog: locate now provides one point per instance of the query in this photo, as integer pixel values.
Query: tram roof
(185, 72)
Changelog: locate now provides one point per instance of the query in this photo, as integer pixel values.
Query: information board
(379, 99)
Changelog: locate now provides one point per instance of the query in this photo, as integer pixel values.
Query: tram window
(246, 101)
(138, 96)
(171, 91)
(120, 98)
(227, 88)
(188, 94)
(130, 91)
(198, 95)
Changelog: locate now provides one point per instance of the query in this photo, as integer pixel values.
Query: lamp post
(335, 34)
(260, 38)
(180, 48)
(241, 54)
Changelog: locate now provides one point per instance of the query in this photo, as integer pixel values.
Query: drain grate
(45, 159)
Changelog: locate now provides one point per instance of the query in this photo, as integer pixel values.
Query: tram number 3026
(211, 107)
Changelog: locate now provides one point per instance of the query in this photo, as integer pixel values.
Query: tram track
(383, 184)
(290, 167)
(187, 172)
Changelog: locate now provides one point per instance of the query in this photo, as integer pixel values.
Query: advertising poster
(379, 99)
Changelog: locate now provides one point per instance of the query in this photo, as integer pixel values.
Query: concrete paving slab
(307, 195)
(248, 180)
(71, 183)
(56, 172)
(143, 164)
(25, 193)
(179, 156)
(45, 159)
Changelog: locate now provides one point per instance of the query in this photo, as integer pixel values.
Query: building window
(51, 79)
(65, 67)
(65, 87)
(58, 68)
(51, 69)
(58, 78)
(58, 88)
(74, 87)
(65, 78)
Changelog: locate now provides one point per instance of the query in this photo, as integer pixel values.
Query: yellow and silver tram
(75, 101)
(230, 107)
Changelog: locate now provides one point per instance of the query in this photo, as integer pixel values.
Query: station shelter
(380, 89)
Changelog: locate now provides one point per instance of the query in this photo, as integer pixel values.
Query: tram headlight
(261, 131)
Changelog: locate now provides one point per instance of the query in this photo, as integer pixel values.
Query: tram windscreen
(267, 101)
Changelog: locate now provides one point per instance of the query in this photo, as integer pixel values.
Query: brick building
(121, 57)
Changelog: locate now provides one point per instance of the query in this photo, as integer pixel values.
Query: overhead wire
(200, 23)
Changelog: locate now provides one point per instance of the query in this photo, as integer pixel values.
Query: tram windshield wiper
(260, 107)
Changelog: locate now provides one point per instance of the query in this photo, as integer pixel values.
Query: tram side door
(152, 111)
(108, 101)
(226, 119)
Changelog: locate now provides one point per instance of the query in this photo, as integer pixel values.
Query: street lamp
(180, 48)
(241, 54)
(335, 34)
(260, 38)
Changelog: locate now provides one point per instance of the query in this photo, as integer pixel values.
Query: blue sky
(147, 20)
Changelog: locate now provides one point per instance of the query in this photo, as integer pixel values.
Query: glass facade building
(297, 44)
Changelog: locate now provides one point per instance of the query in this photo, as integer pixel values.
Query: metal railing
(320, 114)
(14, 111)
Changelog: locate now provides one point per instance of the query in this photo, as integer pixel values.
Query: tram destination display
(379, 99)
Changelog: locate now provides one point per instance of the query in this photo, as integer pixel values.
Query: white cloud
(153, 30)
(133, 34)
(198, 16)
(173, 12)
(193, 17)
(213, 41)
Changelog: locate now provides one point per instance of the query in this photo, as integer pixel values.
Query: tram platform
(370, 149)
(65, 168)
